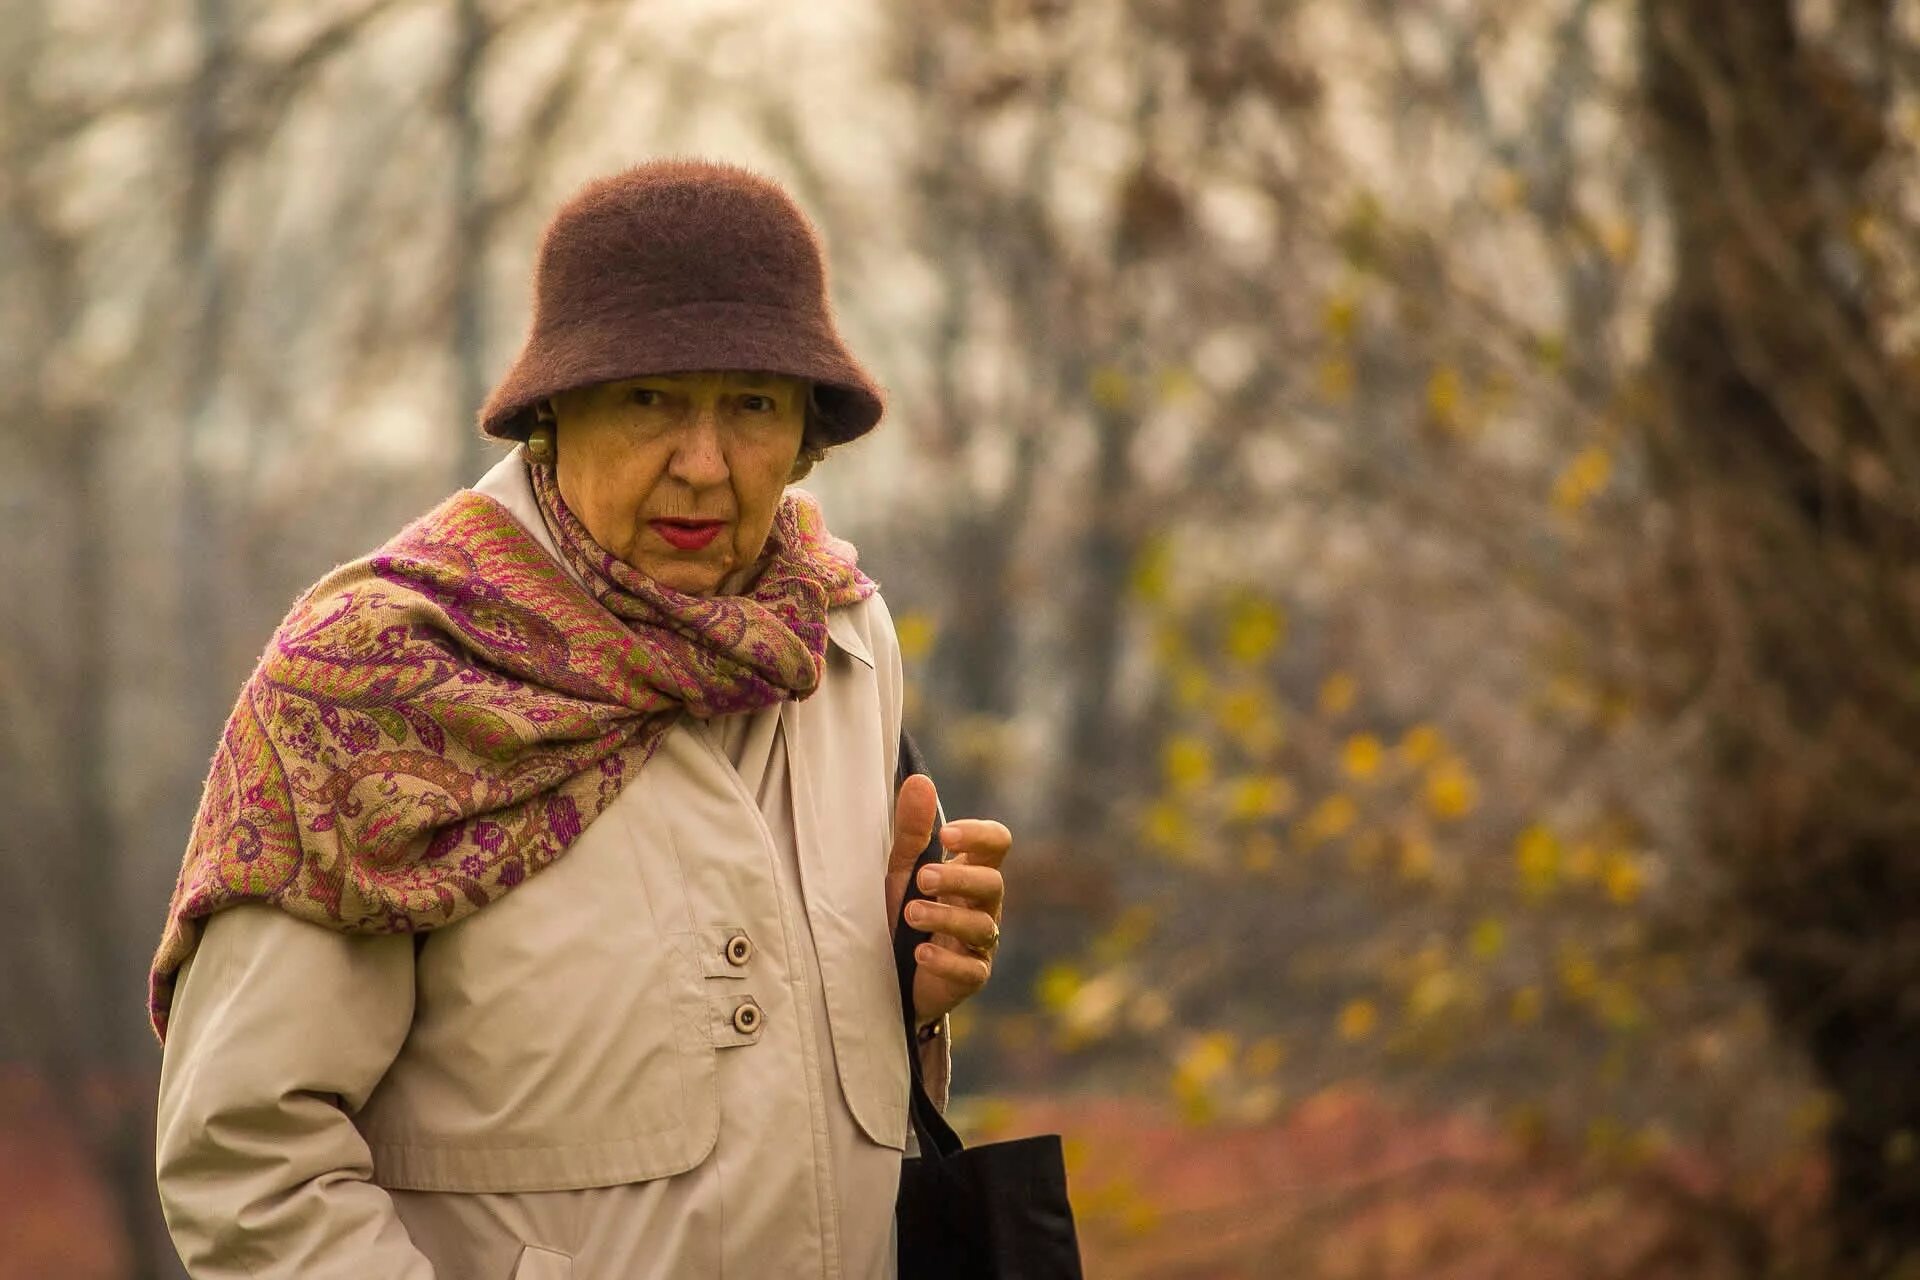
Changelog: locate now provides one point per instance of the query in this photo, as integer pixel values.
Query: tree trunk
(1787, 414)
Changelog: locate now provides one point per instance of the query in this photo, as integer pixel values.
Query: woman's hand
(968, 896)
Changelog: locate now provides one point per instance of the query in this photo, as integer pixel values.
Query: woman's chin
(689, 578)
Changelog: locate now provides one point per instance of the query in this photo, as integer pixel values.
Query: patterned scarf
(434, 723)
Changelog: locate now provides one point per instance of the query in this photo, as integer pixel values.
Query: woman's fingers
(963, 969)
(966, 896)
(914, 813)
(981, 887)
(984, 841)
(970, 927)
(915, 810)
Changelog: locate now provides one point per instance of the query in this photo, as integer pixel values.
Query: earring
(540, 444)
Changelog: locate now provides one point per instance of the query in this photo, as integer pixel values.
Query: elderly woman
(537, 918)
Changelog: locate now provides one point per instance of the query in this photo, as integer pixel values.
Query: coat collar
(507, 484)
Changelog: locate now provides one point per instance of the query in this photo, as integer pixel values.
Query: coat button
(739, 949)
(746, 1017)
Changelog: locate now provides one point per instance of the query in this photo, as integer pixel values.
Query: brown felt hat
(682, 266)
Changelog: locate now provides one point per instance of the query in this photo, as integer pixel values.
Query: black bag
(997, 1211)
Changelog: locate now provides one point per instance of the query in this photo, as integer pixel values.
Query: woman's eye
(644, 395)
(759, 404)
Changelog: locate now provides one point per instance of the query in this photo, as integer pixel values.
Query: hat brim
(697, 337)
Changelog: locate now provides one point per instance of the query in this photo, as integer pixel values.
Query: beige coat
(675, 1052)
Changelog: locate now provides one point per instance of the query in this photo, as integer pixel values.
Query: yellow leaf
(1110, 387)
(1432, 995)
(1451, 792)
(915, 633)
(1057, 985)
(1254, 628)
(1176, 383)
(1204, 1060)
(1445, 395)
(1582, 479)
(1488, 939)
(1536, 855)
(1361, 756)
(1421, 744)
(1623, 876)
(1258, 796)
(1187, 762)
(1358, 1020)
(1339, 314)
(1526, 1006)
(1165, 827)
(1250, 717)
(1153, 569)
(1241, 709)
(1332, 817)
(1337, 693)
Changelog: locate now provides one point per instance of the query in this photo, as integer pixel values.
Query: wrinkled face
(680, 474)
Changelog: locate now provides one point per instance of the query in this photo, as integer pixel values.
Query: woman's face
(680, 474)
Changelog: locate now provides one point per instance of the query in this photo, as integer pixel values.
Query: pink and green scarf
(436, 722)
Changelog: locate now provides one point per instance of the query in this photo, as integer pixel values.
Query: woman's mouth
(687, 535)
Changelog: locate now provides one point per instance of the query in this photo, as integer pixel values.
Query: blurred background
(1409, 510)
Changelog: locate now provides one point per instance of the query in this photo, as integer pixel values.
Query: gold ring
(986, 952)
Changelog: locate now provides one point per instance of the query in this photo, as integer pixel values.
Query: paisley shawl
(437, 721)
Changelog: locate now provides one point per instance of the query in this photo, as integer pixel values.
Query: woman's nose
(699, 459)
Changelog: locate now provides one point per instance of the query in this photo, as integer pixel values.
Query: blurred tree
(166, 338)
(1303, 404)
(1785, 139)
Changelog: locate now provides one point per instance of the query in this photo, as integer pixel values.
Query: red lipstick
(688, 535)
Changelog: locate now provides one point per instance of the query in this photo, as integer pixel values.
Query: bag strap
(936, 1137)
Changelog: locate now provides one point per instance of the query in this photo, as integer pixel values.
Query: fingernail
(949, 834)
(929, 879)
(924, 951)
(916, 914)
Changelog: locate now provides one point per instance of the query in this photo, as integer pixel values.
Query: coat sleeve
(936, 1054)
(279, 1030)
